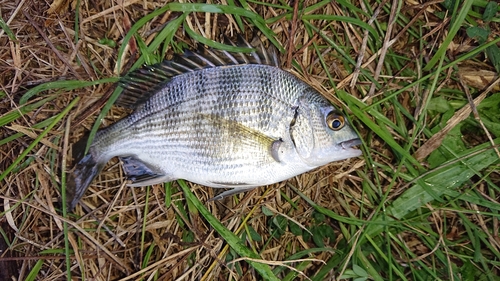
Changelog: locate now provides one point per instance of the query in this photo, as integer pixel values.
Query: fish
(218, 119)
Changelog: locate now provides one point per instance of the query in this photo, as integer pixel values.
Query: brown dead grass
(46, 51)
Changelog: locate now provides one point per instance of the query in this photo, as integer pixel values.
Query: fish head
(321, 133)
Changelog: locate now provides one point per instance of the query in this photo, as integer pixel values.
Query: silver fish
(221, 120)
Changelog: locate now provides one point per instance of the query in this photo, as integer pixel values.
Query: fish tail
(79, 180)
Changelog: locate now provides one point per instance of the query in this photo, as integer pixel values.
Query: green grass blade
(66, 85)
(448, 177)
(33, 275)
(456, 25)
(257, 20)
(14, 114)
(420, 81)
(15, 136)
(37, 140)
(215, 44)
(5, 27)
(234, 241)
(326, 211)
(357, 108)
(198, 7)
(358, 22)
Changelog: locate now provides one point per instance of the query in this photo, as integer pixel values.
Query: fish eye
(335, 121)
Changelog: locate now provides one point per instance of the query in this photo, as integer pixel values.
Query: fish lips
(350, 145)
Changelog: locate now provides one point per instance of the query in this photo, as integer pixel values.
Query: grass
(421, 204)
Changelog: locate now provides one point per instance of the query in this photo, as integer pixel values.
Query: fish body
(236, 126)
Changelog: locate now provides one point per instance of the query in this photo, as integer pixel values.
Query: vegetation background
(419, 80)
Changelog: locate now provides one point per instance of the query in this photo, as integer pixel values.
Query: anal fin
(141, 174)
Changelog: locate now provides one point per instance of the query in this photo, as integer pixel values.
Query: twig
(94, 107)
(291, 40)
(435, 141)
(385, 46)
(362, 51)
(51, 45)
(83, 234)
(476, 115)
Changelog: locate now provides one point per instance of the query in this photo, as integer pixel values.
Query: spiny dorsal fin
(139, 85)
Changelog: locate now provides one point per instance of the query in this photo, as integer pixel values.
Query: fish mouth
(350, 143)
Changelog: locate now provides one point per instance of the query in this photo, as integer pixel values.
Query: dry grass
(148, 233)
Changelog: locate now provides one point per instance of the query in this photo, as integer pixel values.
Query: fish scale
(233, 126)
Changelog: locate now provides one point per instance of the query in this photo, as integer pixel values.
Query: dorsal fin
(139, 85)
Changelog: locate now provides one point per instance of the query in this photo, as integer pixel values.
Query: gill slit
(292, 123)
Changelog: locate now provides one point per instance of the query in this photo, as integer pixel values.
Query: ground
(418, 80)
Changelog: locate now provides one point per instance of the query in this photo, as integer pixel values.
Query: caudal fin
(85, 171)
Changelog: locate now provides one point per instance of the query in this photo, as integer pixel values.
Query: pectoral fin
(230, 192)
(245, 138)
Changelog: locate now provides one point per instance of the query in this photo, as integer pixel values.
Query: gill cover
(301, 131)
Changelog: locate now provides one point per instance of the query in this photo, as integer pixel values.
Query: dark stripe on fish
(265, 86)
(292, 123)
